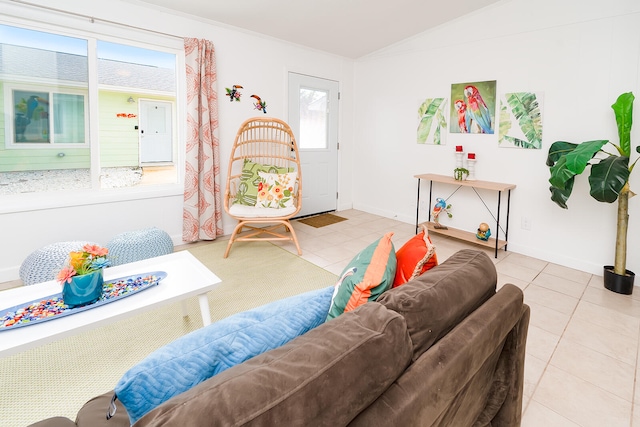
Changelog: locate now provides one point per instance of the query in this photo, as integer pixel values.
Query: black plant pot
(618, 283)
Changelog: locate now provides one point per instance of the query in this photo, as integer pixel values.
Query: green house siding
(118, 139)
(118, 136)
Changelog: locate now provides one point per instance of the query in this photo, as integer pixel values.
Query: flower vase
(83, 290)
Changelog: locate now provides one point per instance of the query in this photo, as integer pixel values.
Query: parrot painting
(477, 109)
(440, 206)
(260, 104)
(463, 117)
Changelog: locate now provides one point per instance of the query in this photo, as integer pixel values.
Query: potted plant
(82, 278)
(609, 181)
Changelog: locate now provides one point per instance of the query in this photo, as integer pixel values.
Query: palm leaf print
(525, 108)
(430, 109)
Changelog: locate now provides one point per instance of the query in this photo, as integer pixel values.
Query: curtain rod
(93, 19)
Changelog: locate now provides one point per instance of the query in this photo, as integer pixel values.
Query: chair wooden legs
(270, 231)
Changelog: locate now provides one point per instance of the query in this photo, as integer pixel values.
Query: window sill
(54, 200)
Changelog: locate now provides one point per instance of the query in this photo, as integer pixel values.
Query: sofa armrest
(450, 383)
(510, 413)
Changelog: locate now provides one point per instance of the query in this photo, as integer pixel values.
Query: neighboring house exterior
(44, 99)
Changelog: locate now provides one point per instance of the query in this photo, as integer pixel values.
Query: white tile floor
(582, 348)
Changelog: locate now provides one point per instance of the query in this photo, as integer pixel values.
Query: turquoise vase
(83, 290)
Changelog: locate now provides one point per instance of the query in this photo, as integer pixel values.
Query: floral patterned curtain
(202, 211)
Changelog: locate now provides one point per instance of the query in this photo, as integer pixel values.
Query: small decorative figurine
(233, 93)
(484, 232)
(440, 206)
(260, 104)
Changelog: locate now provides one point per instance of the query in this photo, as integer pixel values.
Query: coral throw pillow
(414, 258)
(367, 276)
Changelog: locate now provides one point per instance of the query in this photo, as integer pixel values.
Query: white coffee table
(186, 277)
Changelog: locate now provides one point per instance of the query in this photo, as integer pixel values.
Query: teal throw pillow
(367, 276)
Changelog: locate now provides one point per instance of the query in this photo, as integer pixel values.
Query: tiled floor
(582, 347)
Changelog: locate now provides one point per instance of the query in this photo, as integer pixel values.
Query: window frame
(11, 144)
(76, 26)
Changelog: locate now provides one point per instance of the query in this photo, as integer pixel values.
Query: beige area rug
(56, 379)
(322, 220)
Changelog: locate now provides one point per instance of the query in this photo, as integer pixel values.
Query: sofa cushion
(436, 301)
(193, 358)
(373, 271)
(414, 258)
(322, 378)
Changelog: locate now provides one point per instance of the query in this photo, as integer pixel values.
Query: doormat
(322, 220)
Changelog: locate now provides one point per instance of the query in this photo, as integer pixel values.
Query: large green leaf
(559, 149)
(578, 158)
(525, 108)
(560, 174)
(608, 177)
(623, 108)
(560, 196)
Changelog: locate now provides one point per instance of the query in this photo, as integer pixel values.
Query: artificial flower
(66, 274)
(91, 258)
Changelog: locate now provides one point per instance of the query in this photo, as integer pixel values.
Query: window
(313, 118)
(36, 112)
(74, 111)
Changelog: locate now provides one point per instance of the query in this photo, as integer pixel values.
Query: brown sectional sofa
(445, 349)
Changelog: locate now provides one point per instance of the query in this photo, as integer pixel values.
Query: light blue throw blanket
(193, 358)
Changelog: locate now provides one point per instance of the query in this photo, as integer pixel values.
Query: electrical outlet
(526, 223)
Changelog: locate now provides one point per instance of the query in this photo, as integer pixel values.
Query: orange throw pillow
(414, 258)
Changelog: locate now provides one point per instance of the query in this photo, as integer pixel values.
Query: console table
(493, 242)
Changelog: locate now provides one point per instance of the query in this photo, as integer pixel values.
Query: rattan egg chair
(264, 159)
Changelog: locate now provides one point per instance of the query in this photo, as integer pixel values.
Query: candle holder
(471, 166)
(459, 157)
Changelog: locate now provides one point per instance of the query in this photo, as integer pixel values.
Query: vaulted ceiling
(350, 28)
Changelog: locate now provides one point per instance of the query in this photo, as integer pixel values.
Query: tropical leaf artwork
(521, 120)
(432, 128)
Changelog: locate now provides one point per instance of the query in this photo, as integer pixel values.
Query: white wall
(580, 53)
(259, 64)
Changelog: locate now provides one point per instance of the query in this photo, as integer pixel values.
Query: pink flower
(95, 250)
(66, 274)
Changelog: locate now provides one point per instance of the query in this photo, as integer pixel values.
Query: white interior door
(155, 132)
(313, 117)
